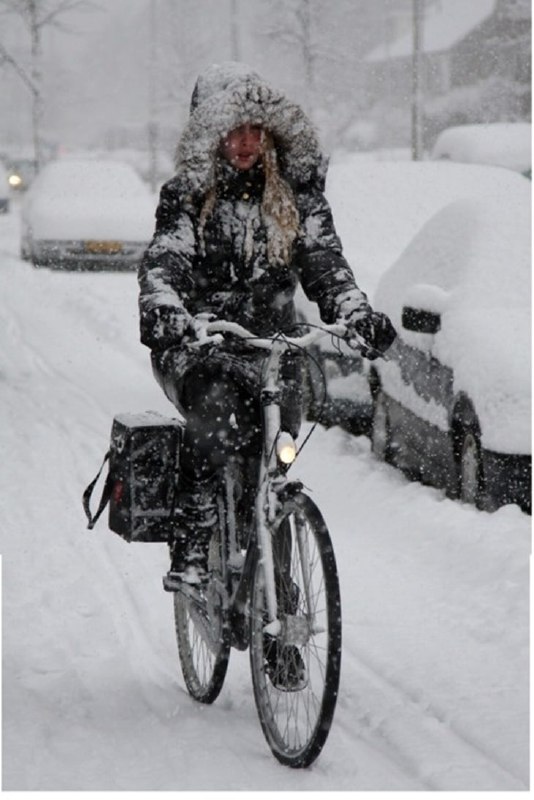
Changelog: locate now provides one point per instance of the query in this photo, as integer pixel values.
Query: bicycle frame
(271, 479)
(274, 587)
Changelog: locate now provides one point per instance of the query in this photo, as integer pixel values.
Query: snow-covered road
(434, 690)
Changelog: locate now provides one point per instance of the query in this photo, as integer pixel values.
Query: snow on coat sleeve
(165, 273)
(324, 273)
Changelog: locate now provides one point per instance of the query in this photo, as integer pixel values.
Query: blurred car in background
(452, 404)
(21, 172)
(499, 144)
(4, 190)
(86, 215)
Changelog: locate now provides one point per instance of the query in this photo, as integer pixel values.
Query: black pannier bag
(143, 471)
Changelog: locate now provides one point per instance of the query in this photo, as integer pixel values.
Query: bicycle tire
(296, 723)
(203, 632)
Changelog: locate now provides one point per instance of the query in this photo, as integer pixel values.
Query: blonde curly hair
(278, 208)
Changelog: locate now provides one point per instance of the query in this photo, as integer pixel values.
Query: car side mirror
(419, 320)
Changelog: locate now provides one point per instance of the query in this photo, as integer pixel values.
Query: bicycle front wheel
(295, 673)
(203, 632)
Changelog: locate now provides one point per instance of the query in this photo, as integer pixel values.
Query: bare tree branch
(64, 7)
(8, 58)
(37, 15)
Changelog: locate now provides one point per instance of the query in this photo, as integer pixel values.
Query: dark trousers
(218, 395)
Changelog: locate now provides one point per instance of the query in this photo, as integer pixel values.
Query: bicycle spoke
(296, 715)
(203, 637)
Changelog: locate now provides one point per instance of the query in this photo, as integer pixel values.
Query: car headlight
(14, 181)
(286, 449)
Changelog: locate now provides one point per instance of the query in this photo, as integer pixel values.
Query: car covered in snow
(86, 214)
(499, 144)
(378, 207)
(452, 403)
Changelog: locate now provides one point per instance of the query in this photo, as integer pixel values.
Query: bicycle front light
(286, 449)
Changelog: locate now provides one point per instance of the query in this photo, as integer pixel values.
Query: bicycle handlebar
(212, 329)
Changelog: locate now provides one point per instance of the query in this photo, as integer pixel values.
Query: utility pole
(304, 16)
(152, 128)
(234, 32)
(417, 20)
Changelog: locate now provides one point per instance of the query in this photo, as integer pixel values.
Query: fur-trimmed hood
(227, 96)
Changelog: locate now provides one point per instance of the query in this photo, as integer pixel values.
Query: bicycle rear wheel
(203, 633)
(296, 717)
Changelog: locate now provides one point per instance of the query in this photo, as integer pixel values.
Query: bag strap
(106, 494)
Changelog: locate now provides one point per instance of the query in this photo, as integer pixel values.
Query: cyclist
(243, 220)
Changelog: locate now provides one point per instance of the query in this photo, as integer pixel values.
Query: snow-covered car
(500, 144)
(86, 214)
(452, 405)
(378, 207)
(4, 190)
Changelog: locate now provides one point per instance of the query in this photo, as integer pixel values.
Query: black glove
(167, 326)
(376, 331)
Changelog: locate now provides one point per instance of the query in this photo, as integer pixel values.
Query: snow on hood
(227, 96)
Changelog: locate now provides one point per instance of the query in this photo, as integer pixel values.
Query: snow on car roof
(505, 144)
(89, 199)
(379, 206)
(73, 175)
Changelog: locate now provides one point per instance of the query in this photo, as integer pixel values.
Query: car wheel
(380, 431)
(470, 475)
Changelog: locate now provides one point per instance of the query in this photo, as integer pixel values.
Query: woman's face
(242, 146)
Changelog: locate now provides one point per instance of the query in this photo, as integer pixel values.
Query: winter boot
(195, 522)
(189, 561)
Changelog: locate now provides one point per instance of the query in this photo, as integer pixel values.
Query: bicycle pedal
(177, 582)
(171, 584)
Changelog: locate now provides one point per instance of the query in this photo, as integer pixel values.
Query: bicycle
(273, 585)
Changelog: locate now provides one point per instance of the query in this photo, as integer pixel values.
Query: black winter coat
(226, 271)
(180, 277)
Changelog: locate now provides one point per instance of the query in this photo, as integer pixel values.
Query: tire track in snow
(39, 383)
(416, 735)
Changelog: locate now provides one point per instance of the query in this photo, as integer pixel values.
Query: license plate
(100, 248)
